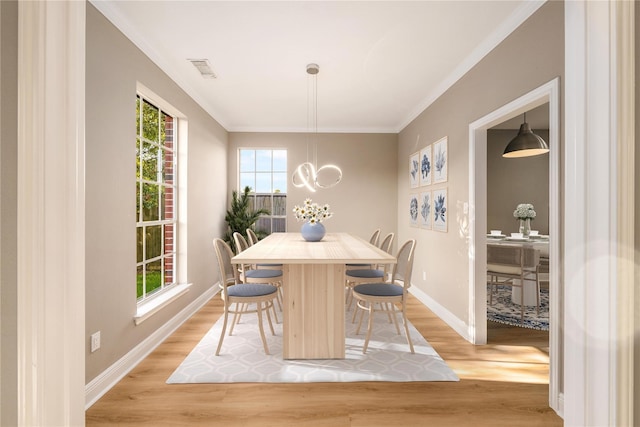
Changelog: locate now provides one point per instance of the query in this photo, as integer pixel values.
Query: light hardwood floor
(504, 383)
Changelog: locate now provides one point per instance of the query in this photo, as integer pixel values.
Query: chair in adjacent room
(385, 296)
(252, 274)
(239, 298)
(368, 273)
(513, 266)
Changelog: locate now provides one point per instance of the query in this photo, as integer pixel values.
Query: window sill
(151, 307)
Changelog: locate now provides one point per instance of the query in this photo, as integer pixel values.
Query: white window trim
(151, 306)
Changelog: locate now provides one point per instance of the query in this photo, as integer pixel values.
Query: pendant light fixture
(308, 174)
(526, 143)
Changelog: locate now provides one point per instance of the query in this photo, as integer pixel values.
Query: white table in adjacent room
(313, 288)
(542, 244)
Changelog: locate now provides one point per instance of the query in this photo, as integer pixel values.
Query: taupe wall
(114, 66)
(530, 57)
(8, 211)
(365, 198)
(637, 220)
(514, 181)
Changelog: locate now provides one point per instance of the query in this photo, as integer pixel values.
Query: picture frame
(414, 210)
(426, 209)
(426, 166)
(439, 209)
(440, 160)
(414, 170)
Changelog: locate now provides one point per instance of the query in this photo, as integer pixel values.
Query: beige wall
(514, 181)
(8, 212)
(530, 57)
(365, 198)
(114, 66)
(637, 219)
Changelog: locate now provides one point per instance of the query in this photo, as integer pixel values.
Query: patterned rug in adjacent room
(505, 311)
(242, 358)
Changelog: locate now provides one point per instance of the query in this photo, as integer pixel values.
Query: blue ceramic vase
(313, 232)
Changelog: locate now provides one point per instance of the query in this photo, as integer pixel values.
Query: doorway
(547, 93)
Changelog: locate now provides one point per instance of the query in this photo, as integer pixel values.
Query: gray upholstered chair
(253, 239)
(385, 296)
(375, 273)
(374, 241)
(250, 274)
(239, 297)
(513, 265)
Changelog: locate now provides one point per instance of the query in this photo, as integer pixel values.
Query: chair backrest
(228, 274)
(516, 256)
(403, 268)
(241, 242)
(252, 236)
(374, 237)
(387, 243)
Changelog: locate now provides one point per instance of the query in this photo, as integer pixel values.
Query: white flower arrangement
(524, 211)
(312, 212)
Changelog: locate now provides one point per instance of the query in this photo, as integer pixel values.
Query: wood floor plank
(504, 383)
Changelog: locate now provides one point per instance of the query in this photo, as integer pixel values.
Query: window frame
(168, 258)
(273, 196)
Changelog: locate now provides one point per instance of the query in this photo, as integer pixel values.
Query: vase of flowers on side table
(525, 213)
(313, 215)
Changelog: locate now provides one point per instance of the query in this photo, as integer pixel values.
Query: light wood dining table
(313, 288)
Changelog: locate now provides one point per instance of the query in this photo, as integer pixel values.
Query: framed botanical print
(425, 166)
(440, 160)
(413, 210)
(440, 213)
(414, 169)
(426, 206)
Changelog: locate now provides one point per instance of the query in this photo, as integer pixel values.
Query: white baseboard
(114, 373)
(449, 318)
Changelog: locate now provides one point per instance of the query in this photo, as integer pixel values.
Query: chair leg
(522, 300)
(406, 328)
(362, 310)
(240, 307)
(537, 294)
(369, 328)
(264, 339)
(224, 328)
(391, 311)
(267, 304)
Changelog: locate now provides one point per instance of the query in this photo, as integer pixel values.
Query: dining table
(313, 287)
(539, 242)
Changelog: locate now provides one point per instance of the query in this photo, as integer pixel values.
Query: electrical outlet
(95, 341)
(424, 275)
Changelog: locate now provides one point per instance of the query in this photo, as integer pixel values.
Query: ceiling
(381, 62)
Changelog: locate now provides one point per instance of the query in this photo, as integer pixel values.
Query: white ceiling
(381, 62)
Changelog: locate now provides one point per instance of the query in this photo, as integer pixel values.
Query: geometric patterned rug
(242, 358)
(505, 311)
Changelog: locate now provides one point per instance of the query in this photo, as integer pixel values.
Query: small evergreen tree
(240, 216)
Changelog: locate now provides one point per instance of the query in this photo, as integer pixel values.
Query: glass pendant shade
(526, 143)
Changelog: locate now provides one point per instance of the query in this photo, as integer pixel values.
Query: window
(156, 197)
(265, 171)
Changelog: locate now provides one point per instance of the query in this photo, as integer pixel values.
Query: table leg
(313, 325)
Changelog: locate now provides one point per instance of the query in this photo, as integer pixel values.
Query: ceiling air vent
(203, 66)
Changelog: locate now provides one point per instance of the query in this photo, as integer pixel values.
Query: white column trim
(598, 205)
(51, 108)
(549, 92)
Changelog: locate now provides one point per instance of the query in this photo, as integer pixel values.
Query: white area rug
(242, 358)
